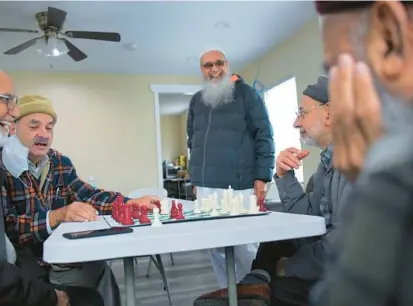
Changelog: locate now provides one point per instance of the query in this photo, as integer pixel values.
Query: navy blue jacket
(231, 144)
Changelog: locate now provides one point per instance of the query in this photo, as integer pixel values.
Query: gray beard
(215, 94)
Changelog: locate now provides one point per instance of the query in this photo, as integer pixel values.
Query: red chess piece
(261, 204)
(158, 204)
(174, 210)
(144, 215)
(135, 211)
(180, 214)
(127, 215)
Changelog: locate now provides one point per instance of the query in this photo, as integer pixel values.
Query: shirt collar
(327, 156)
(37, 170)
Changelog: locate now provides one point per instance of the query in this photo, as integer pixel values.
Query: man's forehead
(6, 84)
(337, 31)
(39, 118)
(212, 55)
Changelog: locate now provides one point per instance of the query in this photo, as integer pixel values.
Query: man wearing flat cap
(41, 191)
(368, 50)
(284, 272)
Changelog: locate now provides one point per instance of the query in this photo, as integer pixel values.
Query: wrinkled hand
(259, 188)
(355, 115)
(289, 159)
(62, 298)
(148, 201)
(75, 212)
(280, 270)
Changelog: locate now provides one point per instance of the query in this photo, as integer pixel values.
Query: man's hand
(75, 212)
(259, 188)
(289, 159)
(280, 270)
(148, 201)
(355, 115)
(62, 298)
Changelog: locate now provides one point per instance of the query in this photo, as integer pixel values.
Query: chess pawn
(144, 215)
(180, 214)
(156, 221)
(127, 217)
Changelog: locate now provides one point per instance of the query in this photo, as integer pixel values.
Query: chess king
(230, 139)
(42, 190)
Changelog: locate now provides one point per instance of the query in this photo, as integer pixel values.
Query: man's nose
(297, 123)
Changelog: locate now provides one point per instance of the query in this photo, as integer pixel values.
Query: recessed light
(221, 24)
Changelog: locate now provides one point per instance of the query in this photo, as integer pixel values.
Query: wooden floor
(191, 276)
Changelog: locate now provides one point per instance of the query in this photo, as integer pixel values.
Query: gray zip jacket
(307, 263)
(231, 144)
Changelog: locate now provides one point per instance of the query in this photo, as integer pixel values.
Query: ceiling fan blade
(18, 30)
(55, 18)
(107, 36)
(22, 46)
(74, 52)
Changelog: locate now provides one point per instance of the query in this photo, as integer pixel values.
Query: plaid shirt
(26, 205)
(325, 205)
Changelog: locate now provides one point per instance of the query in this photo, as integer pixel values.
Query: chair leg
(172, 259)
(163, 275)
(148, 270)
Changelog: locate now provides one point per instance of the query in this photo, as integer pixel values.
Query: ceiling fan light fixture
(53, 46)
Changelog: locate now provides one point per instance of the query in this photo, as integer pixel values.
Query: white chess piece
(230, 193)
(241, 208)
(224, 208)
(234, 206)
(156, 221)
(196, 207)
(164, 207)
(214, 211)
(253, 209)
(204, 206)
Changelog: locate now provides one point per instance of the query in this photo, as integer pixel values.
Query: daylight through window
(281, 102)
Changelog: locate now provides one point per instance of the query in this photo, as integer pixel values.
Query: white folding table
(170, 238)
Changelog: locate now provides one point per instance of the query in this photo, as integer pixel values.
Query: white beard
(218, 93)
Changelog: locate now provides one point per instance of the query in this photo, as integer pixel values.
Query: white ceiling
(173, 104)
(169, 36)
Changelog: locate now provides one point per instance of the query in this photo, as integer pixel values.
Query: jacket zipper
(205, 140)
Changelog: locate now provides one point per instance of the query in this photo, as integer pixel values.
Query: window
(281, 102)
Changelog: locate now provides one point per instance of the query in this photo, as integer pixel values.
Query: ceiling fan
(50, 23)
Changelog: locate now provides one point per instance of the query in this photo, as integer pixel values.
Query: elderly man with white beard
(368, 50)
(231, 143)
(283, 272)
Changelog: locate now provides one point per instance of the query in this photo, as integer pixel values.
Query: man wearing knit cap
(17, 287)
(43, 190)
(284, 272)
(368, 50)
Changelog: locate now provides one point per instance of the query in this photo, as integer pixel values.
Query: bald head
(6, 84)
(212, 54)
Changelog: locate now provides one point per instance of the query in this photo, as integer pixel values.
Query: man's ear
(387, 46)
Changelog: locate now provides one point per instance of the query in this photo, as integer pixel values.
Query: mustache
(41, 140)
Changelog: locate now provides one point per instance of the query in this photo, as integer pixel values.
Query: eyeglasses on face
(218, 64)
(10, 100)
(305, 111)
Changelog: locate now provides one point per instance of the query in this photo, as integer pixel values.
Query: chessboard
(174, 212)
(189, 216)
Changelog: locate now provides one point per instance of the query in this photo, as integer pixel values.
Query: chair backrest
(158, 192)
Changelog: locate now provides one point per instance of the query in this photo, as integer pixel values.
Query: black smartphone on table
(98, 233)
